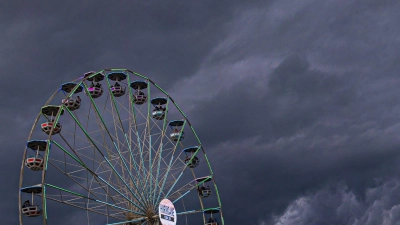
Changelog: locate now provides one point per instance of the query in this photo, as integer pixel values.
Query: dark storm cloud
(288, 98)
(342, 206)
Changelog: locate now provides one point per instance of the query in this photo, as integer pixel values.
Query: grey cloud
(339, 205)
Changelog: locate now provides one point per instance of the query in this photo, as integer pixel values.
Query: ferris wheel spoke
(181, 173)
(115, 171)
(114, 103)
(160, 150)
(127, 186)
(133, 180)
(92, 199)
(196, 211)
(111, 137)
(150, 146)
(170, 162)
(95, 176)
(83, 208)
(90, 192)
(184, 190)
(143, 168)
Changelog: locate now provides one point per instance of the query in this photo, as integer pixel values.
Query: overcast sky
(297, 103)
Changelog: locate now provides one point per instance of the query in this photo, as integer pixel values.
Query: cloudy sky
(297, 103)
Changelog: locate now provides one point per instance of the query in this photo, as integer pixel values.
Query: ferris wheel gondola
(159, 108)
(191, 159)
(35, 162)
(212, 220)
(31, 209)
(72, 102)
(116, 89)
(139, 97)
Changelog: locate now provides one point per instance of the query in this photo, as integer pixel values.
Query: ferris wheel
(112, 147)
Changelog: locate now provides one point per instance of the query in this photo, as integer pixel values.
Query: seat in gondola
(139, 97)
(159, 108)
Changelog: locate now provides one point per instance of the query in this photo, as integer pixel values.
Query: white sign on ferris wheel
(166, 212)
